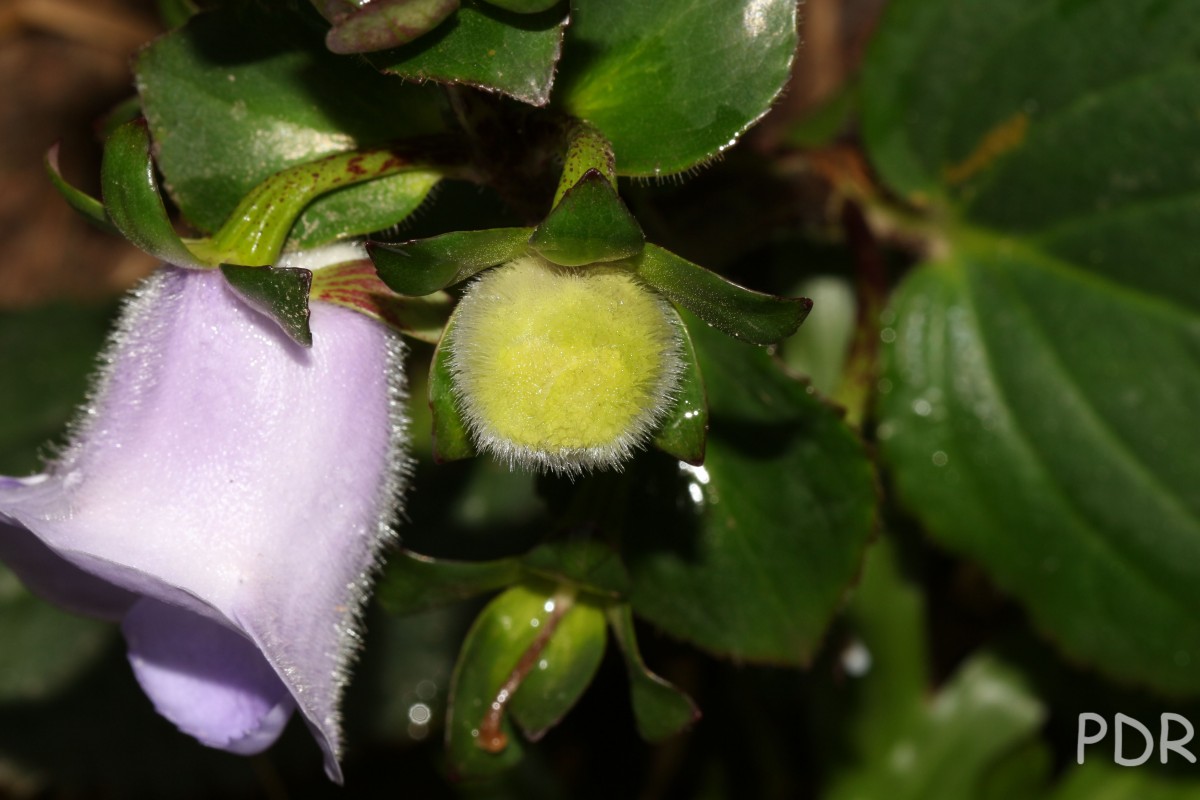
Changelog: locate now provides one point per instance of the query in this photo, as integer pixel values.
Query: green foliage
(749, 555)
(489, 48)
(674, 82)
(1042, 372)
(237, 95)
(912, 597)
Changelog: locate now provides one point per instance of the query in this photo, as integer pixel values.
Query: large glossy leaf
(239, 94)
(484, 46)
(774, 523)
(674, 82)
(1043, 374)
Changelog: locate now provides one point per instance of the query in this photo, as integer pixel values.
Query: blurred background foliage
(956, 665)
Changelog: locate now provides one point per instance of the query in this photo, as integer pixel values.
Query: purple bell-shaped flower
(225, 494)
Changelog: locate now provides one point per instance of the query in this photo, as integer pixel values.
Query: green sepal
(524, 6)
(659, 709)
(589, 564)
(451, 441)
(423, 266)
(91, 208)
(280, 293)
(565, 668)
(254, 234)
(132, 200)
(381, 24)
(412, 582)
(684, 433)
(590, 224)
(742, 313)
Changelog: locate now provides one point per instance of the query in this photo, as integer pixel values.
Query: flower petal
(209, 680)
(223, 469)
(43, 571)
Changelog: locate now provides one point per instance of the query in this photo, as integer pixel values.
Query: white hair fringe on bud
(488, 301)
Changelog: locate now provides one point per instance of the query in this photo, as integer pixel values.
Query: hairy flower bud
(563, 369)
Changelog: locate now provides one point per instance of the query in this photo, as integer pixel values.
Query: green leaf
(672, 83)
(944, 753)
(660, 710)
(684, 432)
(589, 224)
(426, 265)
(91, 208)
(240, 94)
(281, 293)
(451, 441)
(749, 315)
(563, 671)
(1039, 420)
(412, 582)
(482, 46)
(381, 24)
(1043, 373)
(502, 648)
(586, 563)
(355, 285)
(774, 523)
(131, 197)
(44, 648)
